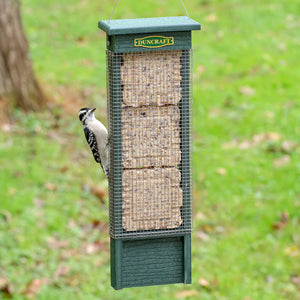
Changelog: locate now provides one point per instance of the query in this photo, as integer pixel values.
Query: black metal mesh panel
(149, 105)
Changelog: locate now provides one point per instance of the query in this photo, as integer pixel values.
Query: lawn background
(54, 242)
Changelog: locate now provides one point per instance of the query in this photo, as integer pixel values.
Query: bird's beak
(92, 110)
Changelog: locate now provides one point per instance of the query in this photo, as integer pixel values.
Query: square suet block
(149, 114)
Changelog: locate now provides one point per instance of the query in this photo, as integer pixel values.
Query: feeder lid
(145, 25)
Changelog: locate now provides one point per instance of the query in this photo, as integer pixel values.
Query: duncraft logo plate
(154, 41)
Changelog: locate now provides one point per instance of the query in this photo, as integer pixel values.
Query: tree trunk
(18, 85)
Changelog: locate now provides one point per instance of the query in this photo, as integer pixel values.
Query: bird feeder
(149, 121)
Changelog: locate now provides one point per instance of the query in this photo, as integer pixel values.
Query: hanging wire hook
(118, 1)
(185, 9)
(114, 11)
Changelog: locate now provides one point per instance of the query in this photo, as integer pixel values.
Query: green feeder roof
(147, 25)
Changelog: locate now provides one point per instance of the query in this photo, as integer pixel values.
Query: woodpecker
(96, 136)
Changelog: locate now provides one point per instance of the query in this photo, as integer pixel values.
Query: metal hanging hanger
(118, 1)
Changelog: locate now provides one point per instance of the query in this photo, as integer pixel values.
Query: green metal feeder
(149, 120)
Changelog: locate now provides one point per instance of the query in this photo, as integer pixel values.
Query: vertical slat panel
(153, 261)
(116, 263)
(187, 259)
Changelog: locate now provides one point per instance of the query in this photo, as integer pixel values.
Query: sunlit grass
(246, 242)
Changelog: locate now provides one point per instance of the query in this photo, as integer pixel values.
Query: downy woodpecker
(96, 136)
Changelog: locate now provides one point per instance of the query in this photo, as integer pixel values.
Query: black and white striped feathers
(96, 136)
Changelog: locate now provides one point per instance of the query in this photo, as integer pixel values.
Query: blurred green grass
(246, 241)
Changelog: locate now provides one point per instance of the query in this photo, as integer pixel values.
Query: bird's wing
(91, 139)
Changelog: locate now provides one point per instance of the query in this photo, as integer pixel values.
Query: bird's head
(86, 114)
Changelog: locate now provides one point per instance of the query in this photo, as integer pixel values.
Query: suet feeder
(149, 119)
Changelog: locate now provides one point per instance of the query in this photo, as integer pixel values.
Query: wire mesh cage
(149, 112)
